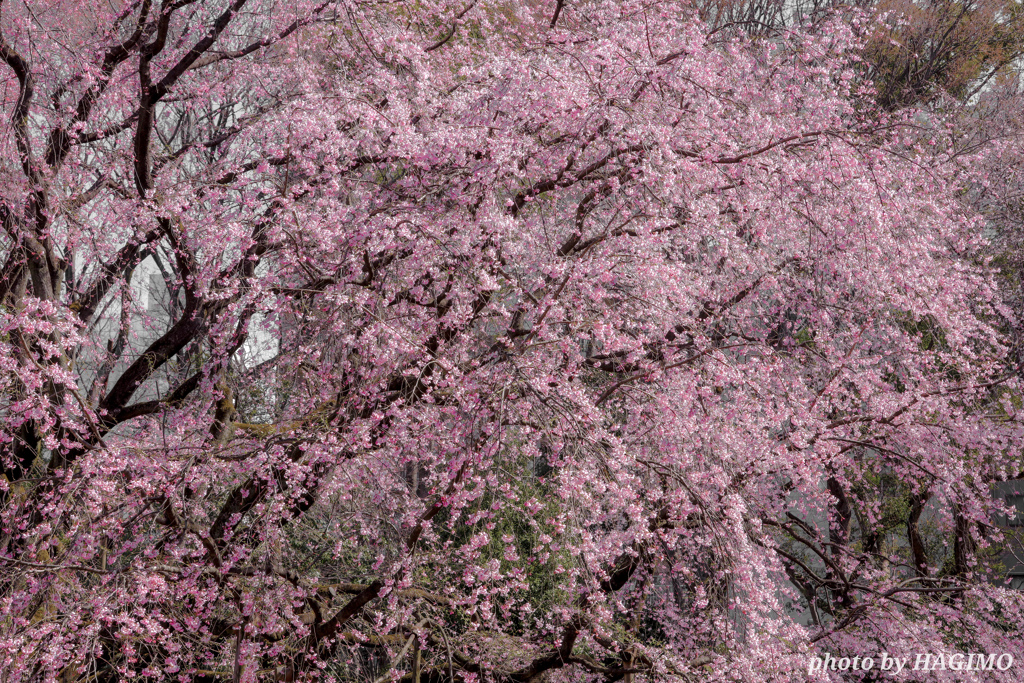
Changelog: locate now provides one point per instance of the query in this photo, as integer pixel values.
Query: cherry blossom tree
(502, 341)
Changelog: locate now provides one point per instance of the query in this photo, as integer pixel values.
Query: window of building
(156, 290)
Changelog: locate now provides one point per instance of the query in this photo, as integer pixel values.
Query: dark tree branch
(558, 11)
